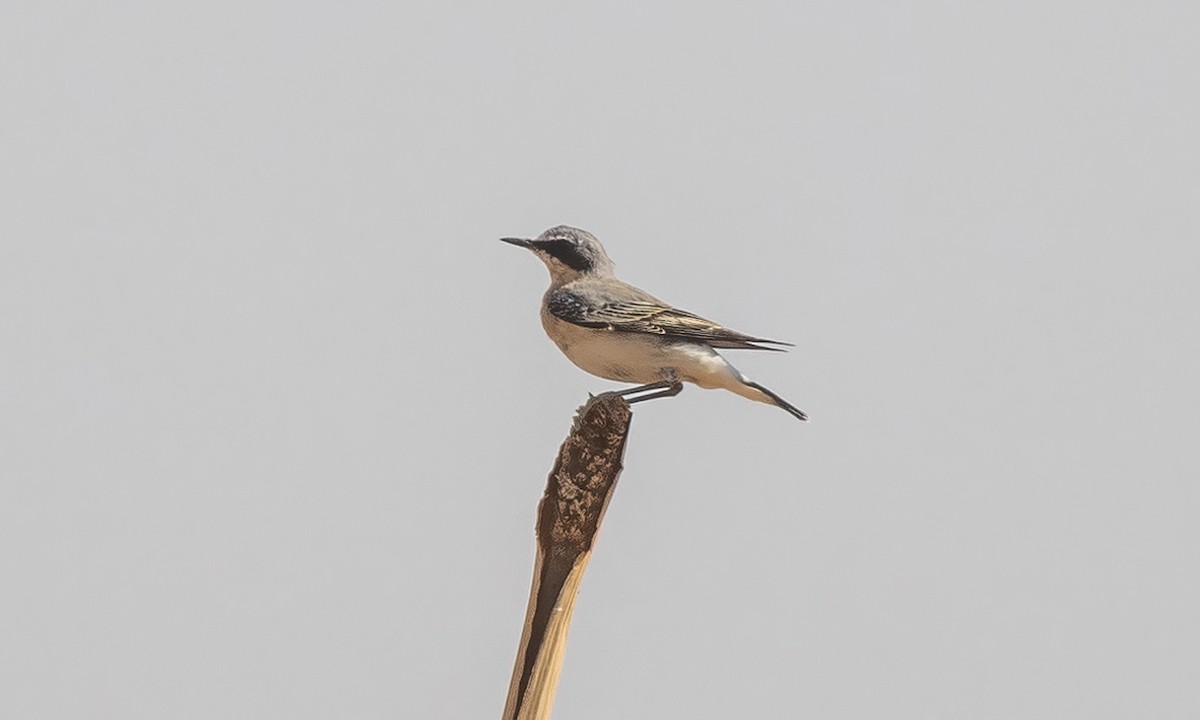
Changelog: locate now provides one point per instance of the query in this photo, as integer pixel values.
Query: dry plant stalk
(569, 515)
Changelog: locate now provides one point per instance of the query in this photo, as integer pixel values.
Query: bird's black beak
(519, 242)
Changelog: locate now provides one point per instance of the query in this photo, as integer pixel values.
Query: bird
(616, 331)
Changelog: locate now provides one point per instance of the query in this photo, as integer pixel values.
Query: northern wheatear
(619, 332)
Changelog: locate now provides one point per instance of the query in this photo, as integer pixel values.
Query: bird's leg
(670, 386)
(664, 388)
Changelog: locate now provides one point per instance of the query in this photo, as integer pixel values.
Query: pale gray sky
(276, 407)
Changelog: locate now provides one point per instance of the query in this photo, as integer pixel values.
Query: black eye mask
(568, 253)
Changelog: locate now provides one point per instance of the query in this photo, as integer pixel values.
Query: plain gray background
(276, 409)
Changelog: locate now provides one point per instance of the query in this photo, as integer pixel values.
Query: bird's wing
(648, 316)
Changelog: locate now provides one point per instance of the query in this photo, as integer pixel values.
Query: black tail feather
(795, 411)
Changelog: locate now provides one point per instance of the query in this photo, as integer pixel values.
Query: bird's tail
(773, 399)
(720, 374)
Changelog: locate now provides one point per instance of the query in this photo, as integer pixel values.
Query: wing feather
(650, 316)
